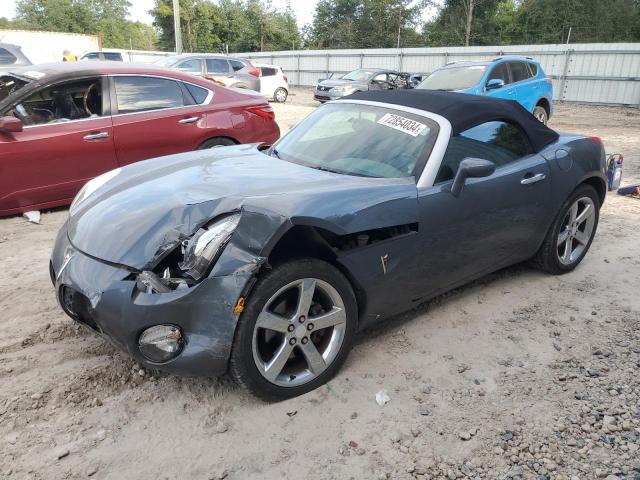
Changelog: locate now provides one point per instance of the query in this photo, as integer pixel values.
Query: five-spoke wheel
(296, 330)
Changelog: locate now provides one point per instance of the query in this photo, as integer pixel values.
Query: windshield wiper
(275, 153)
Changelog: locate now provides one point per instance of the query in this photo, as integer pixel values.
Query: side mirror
(10, 124)
(471, 168)
(495, 83)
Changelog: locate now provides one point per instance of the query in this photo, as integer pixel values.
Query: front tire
(571, 234)
(296, 330)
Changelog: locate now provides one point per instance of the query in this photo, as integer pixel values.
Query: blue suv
(513, 78)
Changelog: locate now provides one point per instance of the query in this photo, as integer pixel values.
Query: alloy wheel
(299, 332)
(281, 95)
(576, 231)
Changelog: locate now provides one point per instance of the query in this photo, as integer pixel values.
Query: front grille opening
(78, 307)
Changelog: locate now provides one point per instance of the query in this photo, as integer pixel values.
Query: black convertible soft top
(465, 111)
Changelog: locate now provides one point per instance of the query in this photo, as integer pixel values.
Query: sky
(139, 9)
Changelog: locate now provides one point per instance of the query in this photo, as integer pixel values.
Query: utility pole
(176, 26)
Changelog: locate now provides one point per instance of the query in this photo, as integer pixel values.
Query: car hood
(342, 83)
(150, 206)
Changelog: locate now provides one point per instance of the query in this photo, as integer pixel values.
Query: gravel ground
(518, 375)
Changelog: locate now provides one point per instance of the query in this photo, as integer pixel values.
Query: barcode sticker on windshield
(403, 124)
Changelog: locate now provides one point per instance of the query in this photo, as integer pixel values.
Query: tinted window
(498, 142)
(191, 66)
(268, 72)
(500, 72)
(136, 94)
(236, 65)
(91, 56)
(61, 102)
(453, 78)
(113, 56)
(6, 57)
(519, 71)
(199, 94)
(217, 65)
(533, 68)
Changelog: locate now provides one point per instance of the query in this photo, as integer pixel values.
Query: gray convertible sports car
(264, 261)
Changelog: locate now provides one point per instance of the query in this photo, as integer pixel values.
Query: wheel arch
(544, 103)
(215, 137)
(598, 184)
(309, 241)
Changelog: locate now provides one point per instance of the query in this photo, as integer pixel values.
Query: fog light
(161, 343)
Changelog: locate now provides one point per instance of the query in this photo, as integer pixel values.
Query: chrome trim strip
(432, 166)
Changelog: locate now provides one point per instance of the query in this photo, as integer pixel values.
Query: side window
(6, 57)
(533, 68)
(191, 66)
(268, 72)
(199, 94)
(217, 65)
(498, 142)
(113, 56)
(519, 71)
(236, 65)
(381, 77)
(138, 94)
(61, 103)
(499, 72)
(91, 56)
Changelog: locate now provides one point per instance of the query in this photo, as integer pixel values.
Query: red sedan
(65, 123)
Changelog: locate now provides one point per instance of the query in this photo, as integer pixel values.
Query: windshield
(453, 78)
(9, 85)
(360, 140)
(168, 61)
(359, 75)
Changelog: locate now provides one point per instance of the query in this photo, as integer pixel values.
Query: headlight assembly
(191, 261)
(203, 248)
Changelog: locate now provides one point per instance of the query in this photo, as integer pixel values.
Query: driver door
(67, 139)
(496, 221)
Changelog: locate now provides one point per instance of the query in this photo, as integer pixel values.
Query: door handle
(533, 179)
(189, 120)
(96, 136)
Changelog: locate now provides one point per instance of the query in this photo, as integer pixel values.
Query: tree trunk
(469, 8)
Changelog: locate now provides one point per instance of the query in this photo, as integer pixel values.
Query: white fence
(601, 73)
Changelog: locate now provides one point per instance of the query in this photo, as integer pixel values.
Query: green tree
(365, 24)
(236, 25)
(106, 18)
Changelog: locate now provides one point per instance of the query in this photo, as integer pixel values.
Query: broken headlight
(206, 244)
(192, 260)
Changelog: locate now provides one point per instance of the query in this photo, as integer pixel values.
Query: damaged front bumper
(105, 297)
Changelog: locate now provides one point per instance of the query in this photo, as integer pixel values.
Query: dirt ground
(518, 375)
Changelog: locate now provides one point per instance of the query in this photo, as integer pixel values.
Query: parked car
(11, 57)
(62, 124)
(266, 262)
(274, 84)
(360, 80)
(102, 56)
(511, 78)
(227, 71)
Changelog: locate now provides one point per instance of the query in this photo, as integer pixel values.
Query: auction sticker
(403, 124)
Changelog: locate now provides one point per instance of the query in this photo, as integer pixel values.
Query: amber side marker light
(239, 308)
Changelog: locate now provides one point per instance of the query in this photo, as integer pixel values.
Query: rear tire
(541, 114)
(571, 233)
(280, 95)
(284, 346)
(216, 142)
